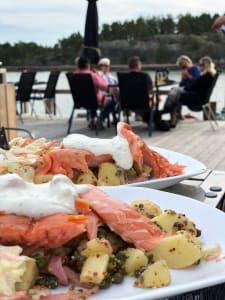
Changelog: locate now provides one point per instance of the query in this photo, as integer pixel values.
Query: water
(65, 102)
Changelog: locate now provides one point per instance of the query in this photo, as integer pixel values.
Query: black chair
(3, 139)
(48, 96)
(24, 90)
(84, 95)
(205, 106)
(134, 94)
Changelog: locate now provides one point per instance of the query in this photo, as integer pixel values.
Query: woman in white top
(113, 91)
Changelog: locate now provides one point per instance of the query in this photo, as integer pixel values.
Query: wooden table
(198, 188)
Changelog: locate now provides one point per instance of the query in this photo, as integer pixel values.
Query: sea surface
(65, 102)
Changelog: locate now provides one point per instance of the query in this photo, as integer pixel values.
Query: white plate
(203, 275)
(193, 168)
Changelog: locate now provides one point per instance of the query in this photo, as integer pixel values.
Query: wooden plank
(8, 108)
(3, 105)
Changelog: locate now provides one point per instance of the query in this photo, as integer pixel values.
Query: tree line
(155, 39)
(145, 28)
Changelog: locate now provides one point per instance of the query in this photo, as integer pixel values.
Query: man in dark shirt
(135, 67)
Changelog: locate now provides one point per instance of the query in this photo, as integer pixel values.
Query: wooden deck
(191, 137)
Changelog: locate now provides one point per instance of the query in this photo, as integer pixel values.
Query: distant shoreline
(71, 67)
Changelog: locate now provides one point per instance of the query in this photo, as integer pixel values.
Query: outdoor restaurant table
(200, 188)
(160, 90)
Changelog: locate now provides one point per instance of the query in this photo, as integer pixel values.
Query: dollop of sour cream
(118, 147)
(38, 200)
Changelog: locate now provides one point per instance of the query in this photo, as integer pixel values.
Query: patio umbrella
(90, 48)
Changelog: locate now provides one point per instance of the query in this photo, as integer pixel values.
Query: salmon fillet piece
(64, 160)
(13, 229)
(124, 220)
(142, 154)
(49, 232)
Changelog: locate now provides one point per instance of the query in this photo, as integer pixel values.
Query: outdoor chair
(3, 139)
(206, 105)
(47, 96)
(84, 96)
(24, 90)
(134, 95)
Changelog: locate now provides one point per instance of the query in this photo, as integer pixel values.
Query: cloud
(46, 21)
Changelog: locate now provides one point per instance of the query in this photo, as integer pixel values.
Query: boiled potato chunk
(29, 276)
(166, 220)
(136, 259)
(131, 173)
(26, 172)
(147, 208)
(183, 223)
(42, 178)
(170, 221)
(181, 250)
(94, 269)
(155, 276)
(86, 178)
(109, 174)
(17, 250)
(97, 246)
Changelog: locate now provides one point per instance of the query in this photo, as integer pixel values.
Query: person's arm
(99, 82)
(218, 23)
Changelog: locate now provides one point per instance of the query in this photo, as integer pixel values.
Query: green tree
(167, 25)
(185, 24)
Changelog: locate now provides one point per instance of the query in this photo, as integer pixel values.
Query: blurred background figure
(104, 71)
(83, 67)
(104, 66)
(135, 66)
(189, 71)
(194, 94)
(220, 21)
(189, 74)
(112, 95)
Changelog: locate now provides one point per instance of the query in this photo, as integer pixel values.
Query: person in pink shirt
(84, 67)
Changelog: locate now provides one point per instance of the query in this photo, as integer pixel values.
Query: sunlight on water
(65, 102)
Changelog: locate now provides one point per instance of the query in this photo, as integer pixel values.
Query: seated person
(83, 67)
(193, 94)
(135, 66)
(104, 66)
(189, 72)
(112, 95)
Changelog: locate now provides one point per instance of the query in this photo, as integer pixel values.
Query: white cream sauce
(38, 200)
(118, 147)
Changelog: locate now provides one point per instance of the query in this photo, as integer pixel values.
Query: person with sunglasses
(189, 71)
(193, 94)
(189, 74)
(112, 94)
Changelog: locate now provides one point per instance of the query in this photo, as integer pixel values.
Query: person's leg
(107, 109)
(91, 114)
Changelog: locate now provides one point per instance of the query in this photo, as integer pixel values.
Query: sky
(47, 21)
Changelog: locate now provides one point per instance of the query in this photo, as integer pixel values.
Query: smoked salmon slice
(124, 220)
(49, 232)
(63, 161)
(142, 154)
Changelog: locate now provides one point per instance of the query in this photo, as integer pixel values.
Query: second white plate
(193, 168)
